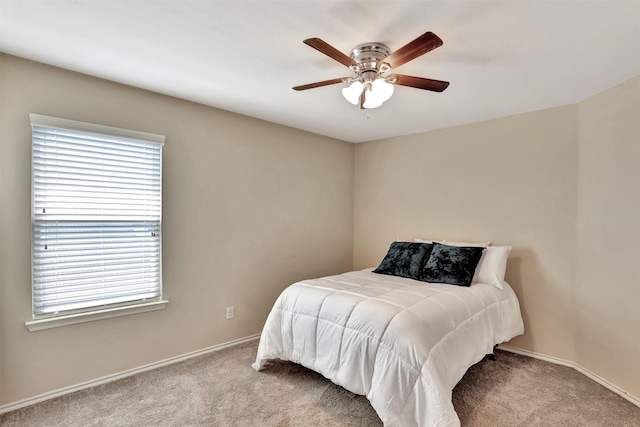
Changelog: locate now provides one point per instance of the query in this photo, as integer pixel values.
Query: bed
(403, 343)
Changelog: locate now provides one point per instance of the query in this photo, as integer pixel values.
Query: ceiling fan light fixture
(353, 92)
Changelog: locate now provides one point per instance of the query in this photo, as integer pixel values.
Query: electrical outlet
(230, 312)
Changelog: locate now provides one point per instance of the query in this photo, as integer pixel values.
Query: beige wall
(511, 181)
(608, 256)
(2, 271)
(249, 207)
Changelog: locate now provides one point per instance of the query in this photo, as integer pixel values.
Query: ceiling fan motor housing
(369, 55)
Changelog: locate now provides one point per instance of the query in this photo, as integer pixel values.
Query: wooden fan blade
(420, 82)
(423, 44)
(330, 51)
(322, 83)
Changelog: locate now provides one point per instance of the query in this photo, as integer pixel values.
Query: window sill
(72, 319)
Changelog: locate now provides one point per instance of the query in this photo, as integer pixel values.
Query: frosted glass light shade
(353, 92)
(371, 100)
(382, 90)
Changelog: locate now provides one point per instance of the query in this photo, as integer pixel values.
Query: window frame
(99, 311)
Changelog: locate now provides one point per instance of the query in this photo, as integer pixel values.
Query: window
(96, 221)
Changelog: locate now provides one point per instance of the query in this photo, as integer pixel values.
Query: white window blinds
(96, 216)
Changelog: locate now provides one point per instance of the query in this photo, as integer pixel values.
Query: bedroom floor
(521, 391)
(221, 389)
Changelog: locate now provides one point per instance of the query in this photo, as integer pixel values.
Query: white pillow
(492, 266)
(418, 240)
(446, 242)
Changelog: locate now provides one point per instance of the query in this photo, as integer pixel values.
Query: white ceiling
(501, 57)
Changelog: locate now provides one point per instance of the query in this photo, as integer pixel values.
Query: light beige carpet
(221, 389)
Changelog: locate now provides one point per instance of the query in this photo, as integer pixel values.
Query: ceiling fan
(371, 62)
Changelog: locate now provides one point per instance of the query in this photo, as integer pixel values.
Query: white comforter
(402, 343)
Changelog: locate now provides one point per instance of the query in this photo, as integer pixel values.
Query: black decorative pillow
(404, 259)
(454, 265)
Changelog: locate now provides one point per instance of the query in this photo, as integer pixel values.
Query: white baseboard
(113, 377)
(614, 388)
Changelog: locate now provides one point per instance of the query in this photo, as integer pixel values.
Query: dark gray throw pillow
(454, 265)
(404, 259)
